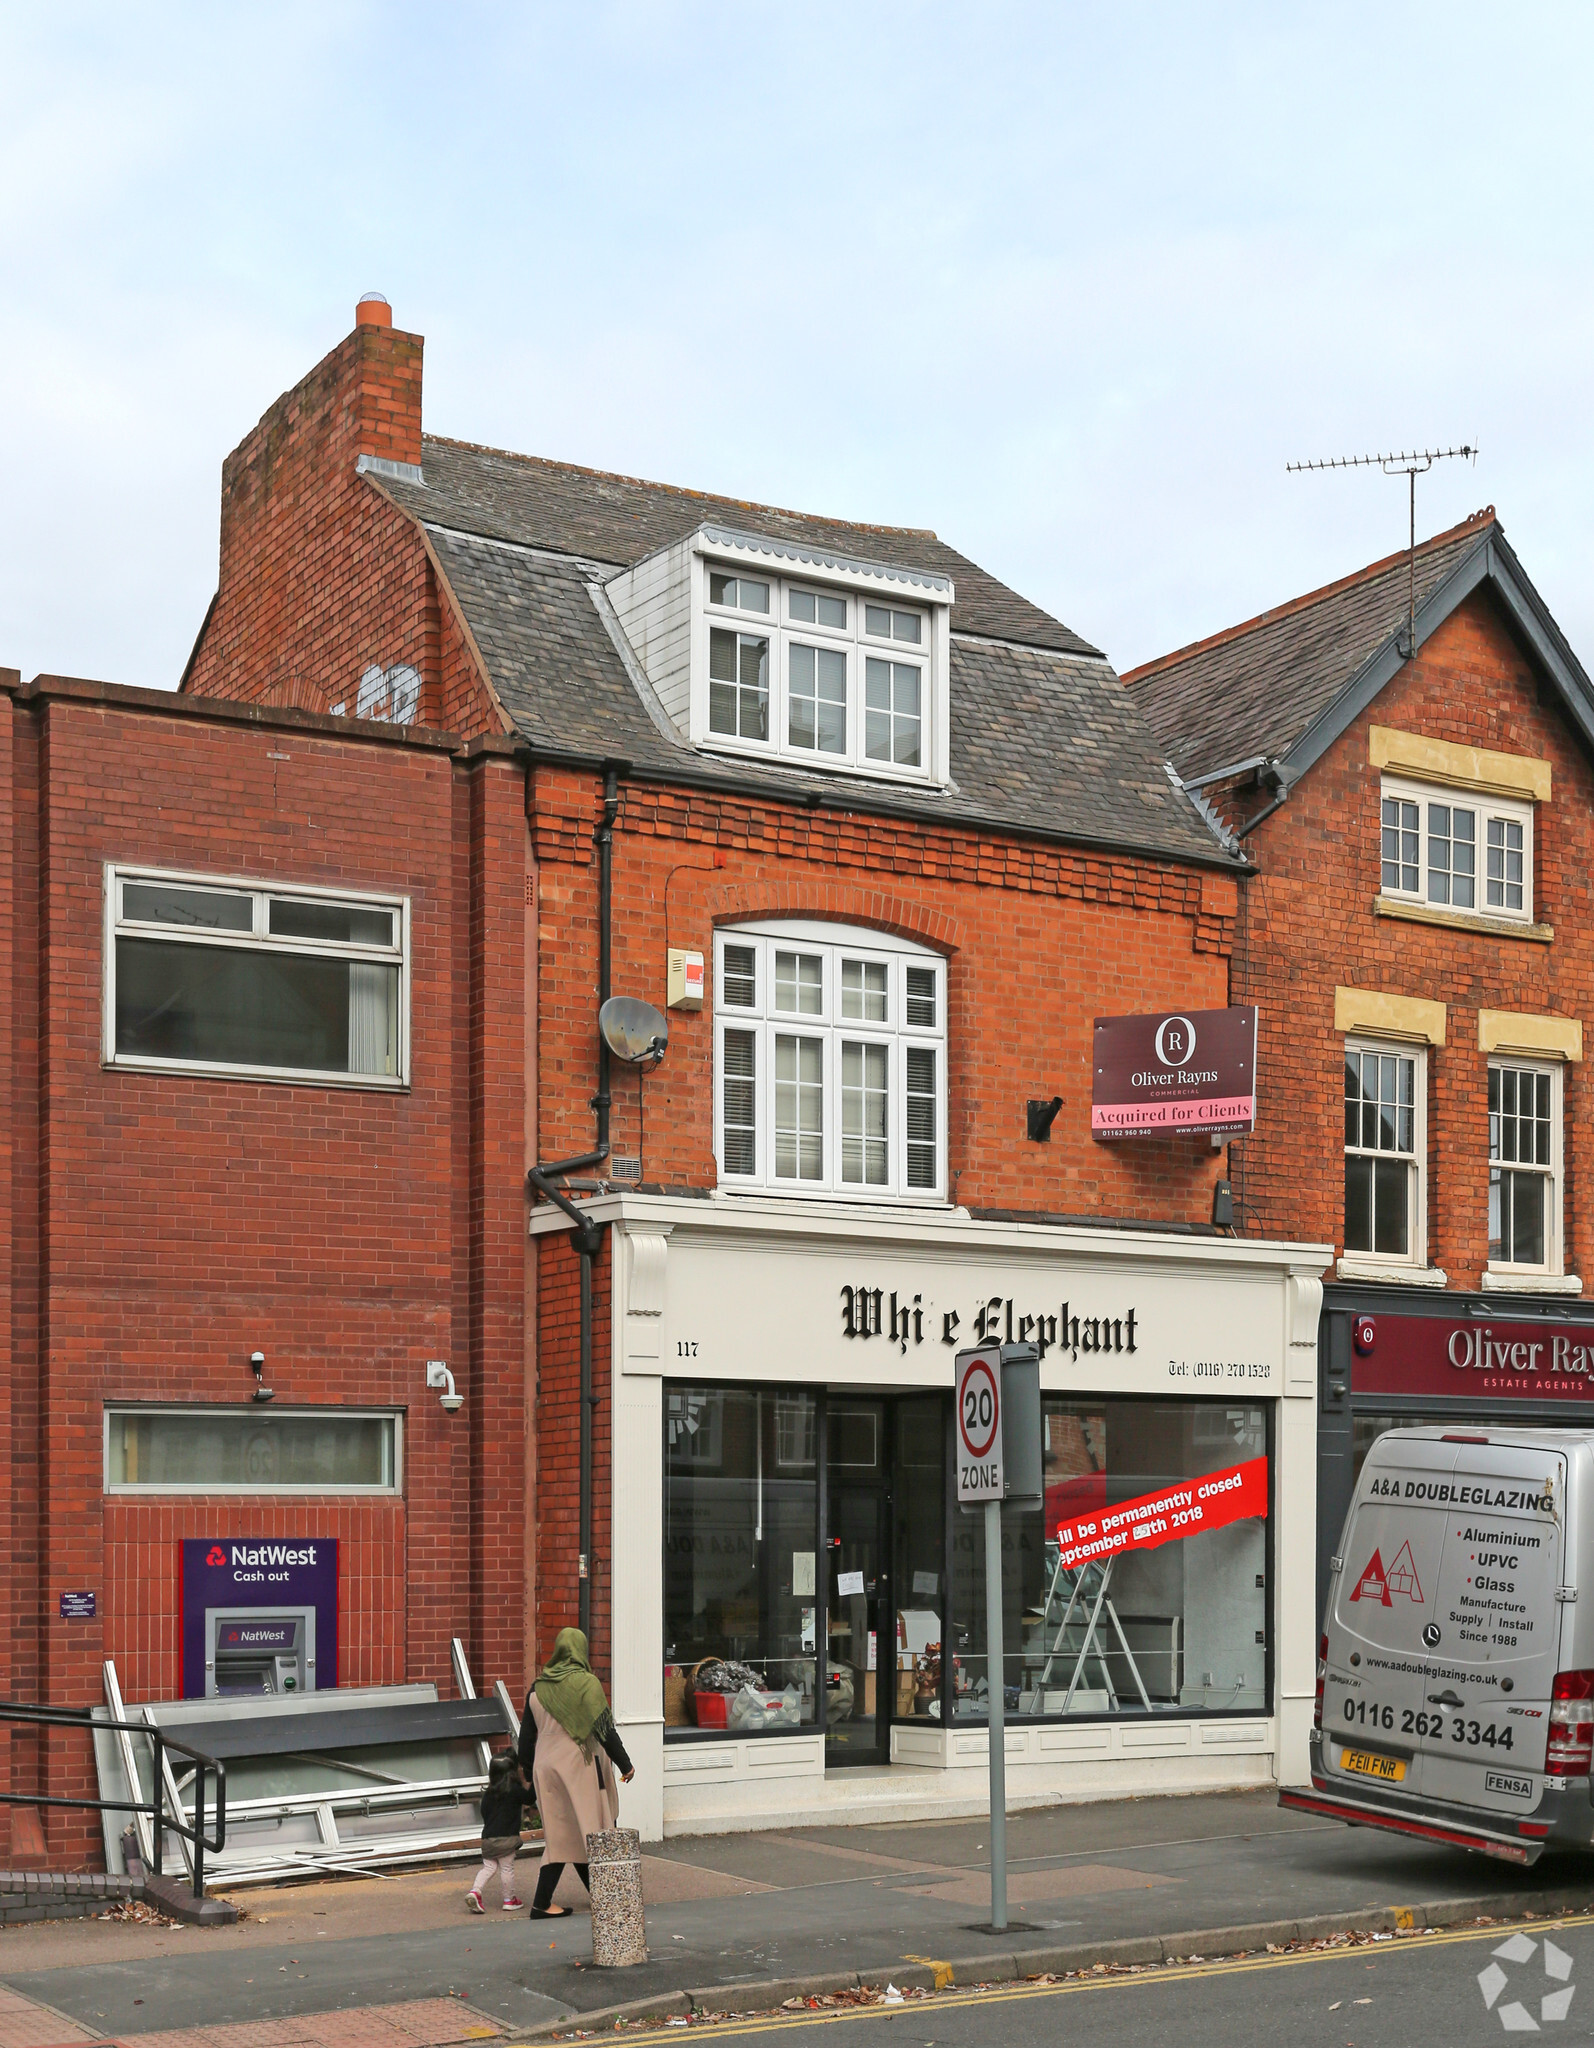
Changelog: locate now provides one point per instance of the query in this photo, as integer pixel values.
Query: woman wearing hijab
(570, 1751)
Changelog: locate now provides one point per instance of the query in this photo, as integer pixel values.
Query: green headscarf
(570, 1692)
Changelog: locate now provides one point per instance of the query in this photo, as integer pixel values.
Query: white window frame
(1485, 808)
(1553, 1174)
(930, 654)
(117, 873)
(1416, 1254)
(833, 943)
(113, 1409)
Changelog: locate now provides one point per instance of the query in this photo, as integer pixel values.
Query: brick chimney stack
(300, 609)
(388, 371)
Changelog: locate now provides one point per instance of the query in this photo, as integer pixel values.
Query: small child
(501, 1806)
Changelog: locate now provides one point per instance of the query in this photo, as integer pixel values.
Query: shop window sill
(1463, 920)
(1503, 1281)
(1391, 1272)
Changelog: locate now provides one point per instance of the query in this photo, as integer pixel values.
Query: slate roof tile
(619, 519)
(1041, 740)
(1256, 688)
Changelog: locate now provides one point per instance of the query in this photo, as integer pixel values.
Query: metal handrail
(84, 1717)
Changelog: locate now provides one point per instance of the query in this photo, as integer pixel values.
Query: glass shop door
(860, 1611)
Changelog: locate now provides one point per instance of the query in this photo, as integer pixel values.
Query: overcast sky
(1069, 284)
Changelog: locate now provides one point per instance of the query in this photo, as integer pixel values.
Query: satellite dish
(634, 1031)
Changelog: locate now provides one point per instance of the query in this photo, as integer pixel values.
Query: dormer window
(833, 682)
(780, 650)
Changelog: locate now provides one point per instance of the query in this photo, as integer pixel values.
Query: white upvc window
(1456, 850)
(821, 677)
(206, 974)
(196, 1448)
(830, 1063)
(1385, 1152)
(1524, 1166)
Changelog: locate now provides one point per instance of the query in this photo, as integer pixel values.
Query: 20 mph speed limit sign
(979, 1433)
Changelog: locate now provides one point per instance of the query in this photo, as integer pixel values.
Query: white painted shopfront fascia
(744, 1289)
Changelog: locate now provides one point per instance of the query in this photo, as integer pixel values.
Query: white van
(1455, 1681)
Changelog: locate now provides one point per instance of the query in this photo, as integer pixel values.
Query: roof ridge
(1474, 522)
(620, 476)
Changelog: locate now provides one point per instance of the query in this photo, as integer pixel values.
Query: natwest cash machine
(259, 1615)
(268, 1652)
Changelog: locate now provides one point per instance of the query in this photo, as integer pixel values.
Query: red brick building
(185, 1192)
(881, 839)
(1419, 938)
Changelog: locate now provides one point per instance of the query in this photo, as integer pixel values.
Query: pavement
(749, 1919)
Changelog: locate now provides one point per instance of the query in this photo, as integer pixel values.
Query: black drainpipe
(588, 1236)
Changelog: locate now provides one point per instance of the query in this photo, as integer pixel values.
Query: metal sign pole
(998, 1421)
(996, 1704)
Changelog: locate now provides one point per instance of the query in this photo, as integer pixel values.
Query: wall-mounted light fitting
(438, 1375)
(1039, 1118)
(257, 1365)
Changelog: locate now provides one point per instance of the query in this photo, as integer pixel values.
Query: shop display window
(1175, 1620)
(741, 1558)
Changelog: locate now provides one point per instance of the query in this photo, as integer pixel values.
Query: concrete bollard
(614, 1872)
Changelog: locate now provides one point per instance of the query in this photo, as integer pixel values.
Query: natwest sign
(1477, 1357)
(1180, 1070)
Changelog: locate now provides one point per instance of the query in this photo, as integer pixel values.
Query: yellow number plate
(1371, 1765)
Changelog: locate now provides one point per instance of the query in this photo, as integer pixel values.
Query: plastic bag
(789, 1714)
(746, 1711)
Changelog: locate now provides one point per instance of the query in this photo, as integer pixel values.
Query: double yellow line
(1011, 1994)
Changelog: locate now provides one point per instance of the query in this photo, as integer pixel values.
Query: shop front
(1388, 1360)
(799, 1618)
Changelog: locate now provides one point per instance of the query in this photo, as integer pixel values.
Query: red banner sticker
(1211, 1501)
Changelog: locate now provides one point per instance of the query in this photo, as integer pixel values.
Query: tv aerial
(1412, 463)
(634, 1031)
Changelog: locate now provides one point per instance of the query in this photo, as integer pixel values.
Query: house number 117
(686, 1348)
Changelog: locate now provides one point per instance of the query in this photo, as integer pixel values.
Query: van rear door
(1376, 1681)
(1493, 1664)
(1444, 1633)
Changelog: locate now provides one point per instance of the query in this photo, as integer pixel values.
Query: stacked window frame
(1524, 1166)
(1385, 1088)
(820, 678)
(1459, 851)
(830, 1064)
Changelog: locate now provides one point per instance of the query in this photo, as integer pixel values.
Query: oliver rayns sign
(1184, 1070)
(1432, 1355)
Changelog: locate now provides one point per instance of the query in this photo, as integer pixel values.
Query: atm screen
(259, 1656)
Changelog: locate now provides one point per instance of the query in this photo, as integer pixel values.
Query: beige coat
(574, 1799)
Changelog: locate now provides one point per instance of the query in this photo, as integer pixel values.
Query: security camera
(257, 1360)
(438, 1375)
